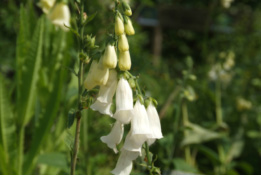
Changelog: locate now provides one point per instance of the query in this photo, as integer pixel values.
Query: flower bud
(123, 44)
(119, 27)
(60, 16)
(129, 30)
(110, 57)
(124, 61)
(46, 5)
(126, 8)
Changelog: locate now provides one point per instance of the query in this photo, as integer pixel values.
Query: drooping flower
(101, 74)
(110, 57)
(89, 82)
(114, 137)
(119, 26)
(155, 126)
(124, 163)
(60, 16)
(104, 100)
(124, 61)
(123, 44)
(140, 128)
(46, 5)
(129, 30)
(124, 102)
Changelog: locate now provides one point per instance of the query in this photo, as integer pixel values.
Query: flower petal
(104, 108)
(114, 137)
(124, 163)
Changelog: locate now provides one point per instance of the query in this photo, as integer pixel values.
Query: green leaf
(71, 117)
(90, 18)
(29, 76)
(181, 164)
(46, 122)
(7, 129)
(53, 159)
(197, 134)
(235, 150)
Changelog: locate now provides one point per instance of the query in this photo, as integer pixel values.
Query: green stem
(80, 82)
(219, 117)
(185, 118)
(148, 157)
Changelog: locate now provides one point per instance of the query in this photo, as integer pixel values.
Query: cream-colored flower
(114, 137)
(124, 102)
(110, 57)
(154, 124)
(60, 16)
(124, 61)
(119, 26)
(124, 163)
(104, 101)
(46, 5)
(89, 82)
(123, 44)
(101, 74)
(226, 3)
(129, 30)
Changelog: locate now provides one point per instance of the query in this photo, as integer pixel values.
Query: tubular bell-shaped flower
(124, 102)
(60, 15)
(114, 137)
(124, 61)
(101, 74)
(124, 163)
(123, 44)
(89, 83)
(110, 57)
(129, 30)
(154, 124)
(140, 128)
(46, 5)
(106, 93)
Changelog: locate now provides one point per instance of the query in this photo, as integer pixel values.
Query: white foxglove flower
(154, 124)
(124, 61)
(103, 108)
(140, 128)
(124, 163)
(110, 57)
(106, 93)
(129, 30)
(89, 82)
(119, 26)
(123, 44)
(124, 102)
(46, 5)
(60, 16)
(114, 137)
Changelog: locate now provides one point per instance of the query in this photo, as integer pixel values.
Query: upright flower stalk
(110, 75)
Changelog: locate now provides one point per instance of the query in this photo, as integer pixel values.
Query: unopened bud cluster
(144, 121)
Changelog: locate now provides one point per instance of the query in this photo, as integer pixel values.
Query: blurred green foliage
(37, 90)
